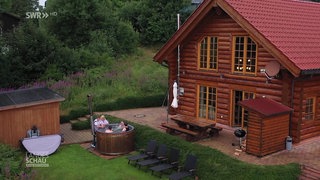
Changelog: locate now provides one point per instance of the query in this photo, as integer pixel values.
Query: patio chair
(172, 162)
(148, 152)
(188, 169)
(161, 155)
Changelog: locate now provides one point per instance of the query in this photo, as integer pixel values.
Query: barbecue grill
(239, 133)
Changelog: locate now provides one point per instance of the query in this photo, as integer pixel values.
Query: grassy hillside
(133, 81)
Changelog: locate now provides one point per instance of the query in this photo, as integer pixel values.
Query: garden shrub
(74, 114)
(132, 102)
(78, 112)
(64, 119)
(11, 164)
(81, 125)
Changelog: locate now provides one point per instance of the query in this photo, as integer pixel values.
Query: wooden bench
(171, 128)
(215, 130)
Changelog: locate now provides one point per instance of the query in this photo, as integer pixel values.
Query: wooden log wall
(223, 79)
(310, 88)
(14, 123)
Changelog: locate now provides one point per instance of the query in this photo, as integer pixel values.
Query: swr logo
(36, 15)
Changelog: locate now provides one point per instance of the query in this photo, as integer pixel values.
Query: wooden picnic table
(198, 125)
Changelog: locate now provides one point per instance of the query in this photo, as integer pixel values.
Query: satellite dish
(272, 69)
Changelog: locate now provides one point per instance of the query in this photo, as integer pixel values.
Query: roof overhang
(310, 72)
(28, 97)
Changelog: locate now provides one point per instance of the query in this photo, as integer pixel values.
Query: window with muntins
(208, 53)
(310, 109)
(207, 102)
(244, 55)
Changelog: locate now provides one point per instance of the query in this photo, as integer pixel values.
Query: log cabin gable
(259, 38)
(246, 20)
(218, 26)
(213, 43)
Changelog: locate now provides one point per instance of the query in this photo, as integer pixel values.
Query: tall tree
(28, 53)
(19, 7)
(79, 22)
(5, 5)
(156, 21)
(77, 19)
(74, 21)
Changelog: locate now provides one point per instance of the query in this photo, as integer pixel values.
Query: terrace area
(305, 153)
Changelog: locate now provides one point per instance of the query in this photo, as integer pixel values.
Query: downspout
(292, 104)
(178, 60)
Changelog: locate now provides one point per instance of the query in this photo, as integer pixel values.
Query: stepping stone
(82, 118)
(74, 121)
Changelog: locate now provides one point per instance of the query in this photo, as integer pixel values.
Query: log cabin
(23, 108)
(228, 51)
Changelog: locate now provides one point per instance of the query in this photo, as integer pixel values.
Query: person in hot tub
(121, 127)
(126, 127)
(109, 129)
(101, 122)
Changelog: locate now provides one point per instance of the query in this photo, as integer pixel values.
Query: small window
(208, 53)
(310, 109)
(244, 55)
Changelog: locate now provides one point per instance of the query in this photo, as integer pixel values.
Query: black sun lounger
(188, 169)
(161, 155)
(172, 162)
(148, 152)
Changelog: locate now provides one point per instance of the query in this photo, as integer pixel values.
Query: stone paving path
(307, 152)
(74, 137)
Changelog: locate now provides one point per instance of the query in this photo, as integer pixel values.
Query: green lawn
(74, 162)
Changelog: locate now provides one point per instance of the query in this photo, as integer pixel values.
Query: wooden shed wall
(266, 135)
(14, 123)
(253, 138)
(223, 79)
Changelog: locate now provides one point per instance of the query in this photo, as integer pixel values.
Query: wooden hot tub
(115, 143)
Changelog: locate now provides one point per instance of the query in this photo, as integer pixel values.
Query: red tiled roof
(264, 106)
(290, 25)
(288, 29)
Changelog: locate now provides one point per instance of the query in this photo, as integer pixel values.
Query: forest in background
(82, 35)
(98, 47)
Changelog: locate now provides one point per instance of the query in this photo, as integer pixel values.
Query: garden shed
(23, 108)
(268, 126)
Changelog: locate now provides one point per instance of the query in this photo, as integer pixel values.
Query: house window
(208, 53)
(310, 109)
(245, 55)
(207, 102)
